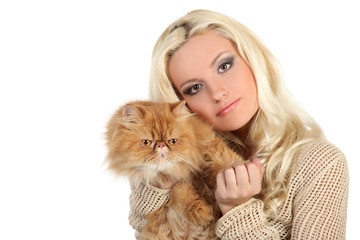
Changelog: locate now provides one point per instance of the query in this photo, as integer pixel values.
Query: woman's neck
(243, 134)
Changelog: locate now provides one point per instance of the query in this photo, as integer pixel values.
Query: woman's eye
(173, 141)
(146, 142)
(224, 67)
(193, 89)
(226, 64)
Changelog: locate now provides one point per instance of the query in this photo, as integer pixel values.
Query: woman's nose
(219, 93)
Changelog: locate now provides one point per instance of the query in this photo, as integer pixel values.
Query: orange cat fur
(155, 142)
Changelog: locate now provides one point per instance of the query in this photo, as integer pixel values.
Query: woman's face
(215, 81)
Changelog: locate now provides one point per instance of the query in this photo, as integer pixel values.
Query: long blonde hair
(280, 127)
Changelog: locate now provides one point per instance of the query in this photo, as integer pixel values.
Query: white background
(65, 66)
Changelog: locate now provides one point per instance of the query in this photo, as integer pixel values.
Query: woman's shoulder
(320, 149)
(316, 157)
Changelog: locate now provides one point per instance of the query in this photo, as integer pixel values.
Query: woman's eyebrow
(216, 58)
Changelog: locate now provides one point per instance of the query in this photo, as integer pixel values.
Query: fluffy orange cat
(156, 142)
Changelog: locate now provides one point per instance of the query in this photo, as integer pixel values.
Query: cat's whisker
(188, 164)
(180, 159)
(146, 159)
(184, 117)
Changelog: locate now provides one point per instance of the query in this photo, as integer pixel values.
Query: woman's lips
(228, 108)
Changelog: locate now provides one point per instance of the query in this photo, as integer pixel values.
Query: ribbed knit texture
(315, 207)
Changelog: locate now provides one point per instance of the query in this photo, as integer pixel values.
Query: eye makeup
(225, 64)
(195, 86)
(192, 89)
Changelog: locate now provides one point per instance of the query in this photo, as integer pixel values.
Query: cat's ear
(131, 114)
(181, 109)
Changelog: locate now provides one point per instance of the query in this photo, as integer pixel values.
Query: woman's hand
(238, 184)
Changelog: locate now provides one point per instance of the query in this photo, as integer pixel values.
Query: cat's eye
(173, 141)
(146, 142)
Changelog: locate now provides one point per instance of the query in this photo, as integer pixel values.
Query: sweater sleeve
(320, 208)
(145, 199)
(246, 221)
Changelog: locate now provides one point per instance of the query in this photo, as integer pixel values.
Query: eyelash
(191, 91)
(228, 62)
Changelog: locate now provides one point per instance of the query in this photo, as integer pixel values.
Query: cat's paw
(201, 214)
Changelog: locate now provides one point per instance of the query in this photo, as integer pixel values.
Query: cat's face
(152, 138)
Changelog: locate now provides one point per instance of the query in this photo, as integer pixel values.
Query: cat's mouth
(162, 159)
(162, 153)
(161, 163)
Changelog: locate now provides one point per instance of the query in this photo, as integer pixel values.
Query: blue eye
(193, 89)
(226, 65)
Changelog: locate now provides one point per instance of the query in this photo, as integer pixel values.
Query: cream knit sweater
(315, 207)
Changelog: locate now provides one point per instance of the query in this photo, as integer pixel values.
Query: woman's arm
(320, 208)
(246, 221)
(145, 199)
(243, 215)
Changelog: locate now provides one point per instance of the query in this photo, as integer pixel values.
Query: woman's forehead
(199, 52)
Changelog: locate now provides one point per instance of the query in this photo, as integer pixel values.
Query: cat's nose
(160, 144)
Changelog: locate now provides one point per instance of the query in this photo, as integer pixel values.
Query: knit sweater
(315, 207)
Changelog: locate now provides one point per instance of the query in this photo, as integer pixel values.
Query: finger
(254, 173)
(238, 163)
(255, 178)
(260, 166)
(242, 175)
(256, 161)
(230, 179)
(220, 180)
(220, 185)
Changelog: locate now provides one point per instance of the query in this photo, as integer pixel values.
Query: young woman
(299, 188)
